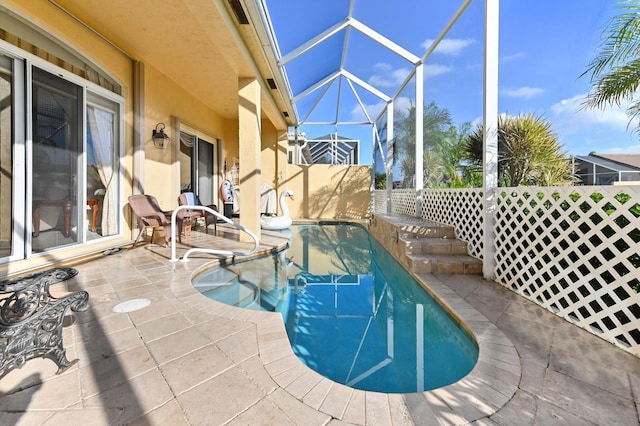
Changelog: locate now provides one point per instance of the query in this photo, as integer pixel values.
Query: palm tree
(529, 152)
(615, 72)
(439, 136)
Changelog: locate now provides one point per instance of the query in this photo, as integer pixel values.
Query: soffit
(189, 41)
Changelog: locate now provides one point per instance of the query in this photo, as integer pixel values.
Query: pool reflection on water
(352, 313)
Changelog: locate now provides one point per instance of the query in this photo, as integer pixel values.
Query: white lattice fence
(403, 201)
(379, 201)
(460, 208)
(575, 251)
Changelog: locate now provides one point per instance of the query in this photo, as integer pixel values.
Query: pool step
(445, 264)
(417, 246)
(425, 247)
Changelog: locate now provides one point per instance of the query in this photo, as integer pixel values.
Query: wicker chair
(150, 215)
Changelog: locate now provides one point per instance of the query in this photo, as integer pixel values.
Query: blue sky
(544, 48)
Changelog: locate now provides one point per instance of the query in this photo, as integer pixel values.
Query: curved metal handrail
(185, 258)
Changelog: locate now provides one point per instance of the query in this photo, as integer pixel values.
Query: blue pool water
(352, 313)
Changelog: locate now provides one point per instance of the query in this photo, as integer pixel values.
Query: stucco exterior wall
(164, 101)
(329, 191)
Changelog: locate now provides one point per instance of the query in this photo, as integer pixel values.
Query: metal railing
(185, 258)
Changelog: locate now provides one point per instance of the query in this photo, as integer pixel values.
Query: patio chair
(191, 199)
(150, 215)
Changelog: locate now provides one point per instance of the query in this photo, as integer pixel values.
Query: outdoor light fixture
(160, 138)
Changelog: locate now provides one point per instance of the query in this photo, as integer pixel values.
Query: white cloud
(432, 70)
(572, 117)
(513, 57)
(386, 76)
(604, 131)
(401, 104)
(449, 46)
(524, 92)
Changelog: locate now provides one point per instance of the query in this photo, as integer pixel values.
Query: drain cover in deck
(131, 305)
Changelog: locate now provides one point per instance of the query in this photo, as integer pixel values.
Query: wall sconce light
(160, 138)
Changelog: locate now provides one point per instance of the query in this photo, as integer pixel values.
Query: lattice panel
(403, 201)
(460, 208)
(575, 251)
(380, 201)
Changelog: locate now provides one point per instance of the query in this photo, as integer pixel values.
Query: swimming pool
(352, 313)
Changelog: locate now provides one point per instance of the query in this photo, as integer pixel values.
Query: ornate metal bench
(31, 318)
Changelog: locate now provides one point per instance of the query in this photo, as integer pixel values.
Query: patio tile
(107, 373)
(399, 411)
(303, 383)
(195, 368)
(219, 328)
(97, 345)
(162, 326)
(33, 373)
(241, 345)
(520, 410)
(336, 400)
(587, 401)
(54, 393)
(356, 412)
(177, 344)
(296, 410)
(143, 291)
(283, 364)
(532, 379)
(316, 396)
(254, 369)
(599, 376)
(168, 414)
(135, 397)
(420, 410)
(550, 414)
(533, 337)
(84, 416)
(25, 419)
(377, 408)
(155, 310)
(107, 324)
(263, 413)
(208, 404)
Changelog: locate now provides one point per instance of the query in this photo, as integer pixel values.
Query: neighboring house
(607, 169)
(86, 84)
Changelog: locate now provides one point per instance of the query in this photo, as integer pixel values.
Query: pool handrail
(185, 258)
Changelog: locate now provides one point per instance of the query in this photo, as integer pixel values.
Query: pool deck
(187, 360)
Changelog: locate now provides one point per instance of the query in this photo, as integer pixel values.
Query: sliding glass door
(6, 157)
(198, 167)
(57, 139)
(102, 183)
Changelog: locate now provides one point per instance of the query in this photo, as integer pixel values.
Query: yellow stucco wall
(329, 191)
(164, 101)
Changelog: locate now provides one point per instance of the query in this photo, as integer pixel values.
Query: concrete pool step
(445, 264)
(416, 246)
(424, 247)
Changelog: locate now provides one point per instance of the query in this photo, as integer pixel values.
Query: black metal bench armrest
(31, 318)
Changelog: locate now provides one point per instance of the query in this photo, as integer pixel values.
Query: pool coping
(482, 392)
